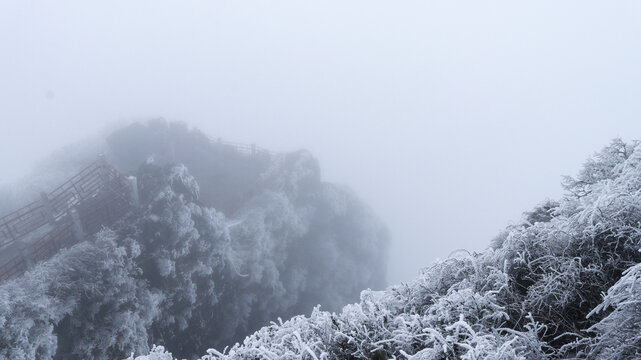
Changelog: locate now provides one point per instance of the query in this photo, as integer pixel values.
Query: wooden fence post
(132, 184)
(76, 225)
(47, 208)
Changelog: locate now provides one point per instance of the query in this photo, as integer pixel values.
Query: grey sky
(450, 118)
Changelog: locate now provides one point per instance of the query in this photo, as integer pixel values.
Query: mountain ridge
(560, 284)
(201, 249)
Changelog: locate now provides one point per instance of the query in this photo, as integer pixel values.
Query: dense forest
(235, 249)
(560, 284)
(222, 243)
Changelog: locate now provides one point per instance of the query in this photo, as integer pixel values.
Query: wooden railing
(51, 206)
(21, 222)
(247, 149)
(95, 197)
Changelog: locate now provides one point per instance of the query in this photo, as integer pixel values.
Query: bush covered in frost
(562, 283)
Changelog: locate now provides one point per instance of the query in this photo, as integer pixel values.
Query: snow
(176, 267)
(561, 283)
(535, 294)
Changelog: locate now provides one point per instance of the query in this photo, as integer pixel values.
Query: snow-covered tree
(175, 266)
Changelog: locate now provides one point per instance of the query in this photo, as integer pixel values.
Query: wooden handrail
(97, 186)
(249, 149)
(31, 217)
(98, 189)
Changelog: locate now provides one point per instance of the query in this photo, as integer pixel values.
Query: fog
(436, 114)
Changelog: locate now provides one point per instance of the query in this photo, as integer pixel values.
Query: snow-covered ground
(563, 283)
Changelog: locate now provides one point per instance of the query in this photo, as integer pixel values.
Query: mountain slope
(201, 250)
(563, 283)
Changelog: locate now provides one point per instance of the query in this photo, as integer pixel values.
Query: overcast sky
(450, 118)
